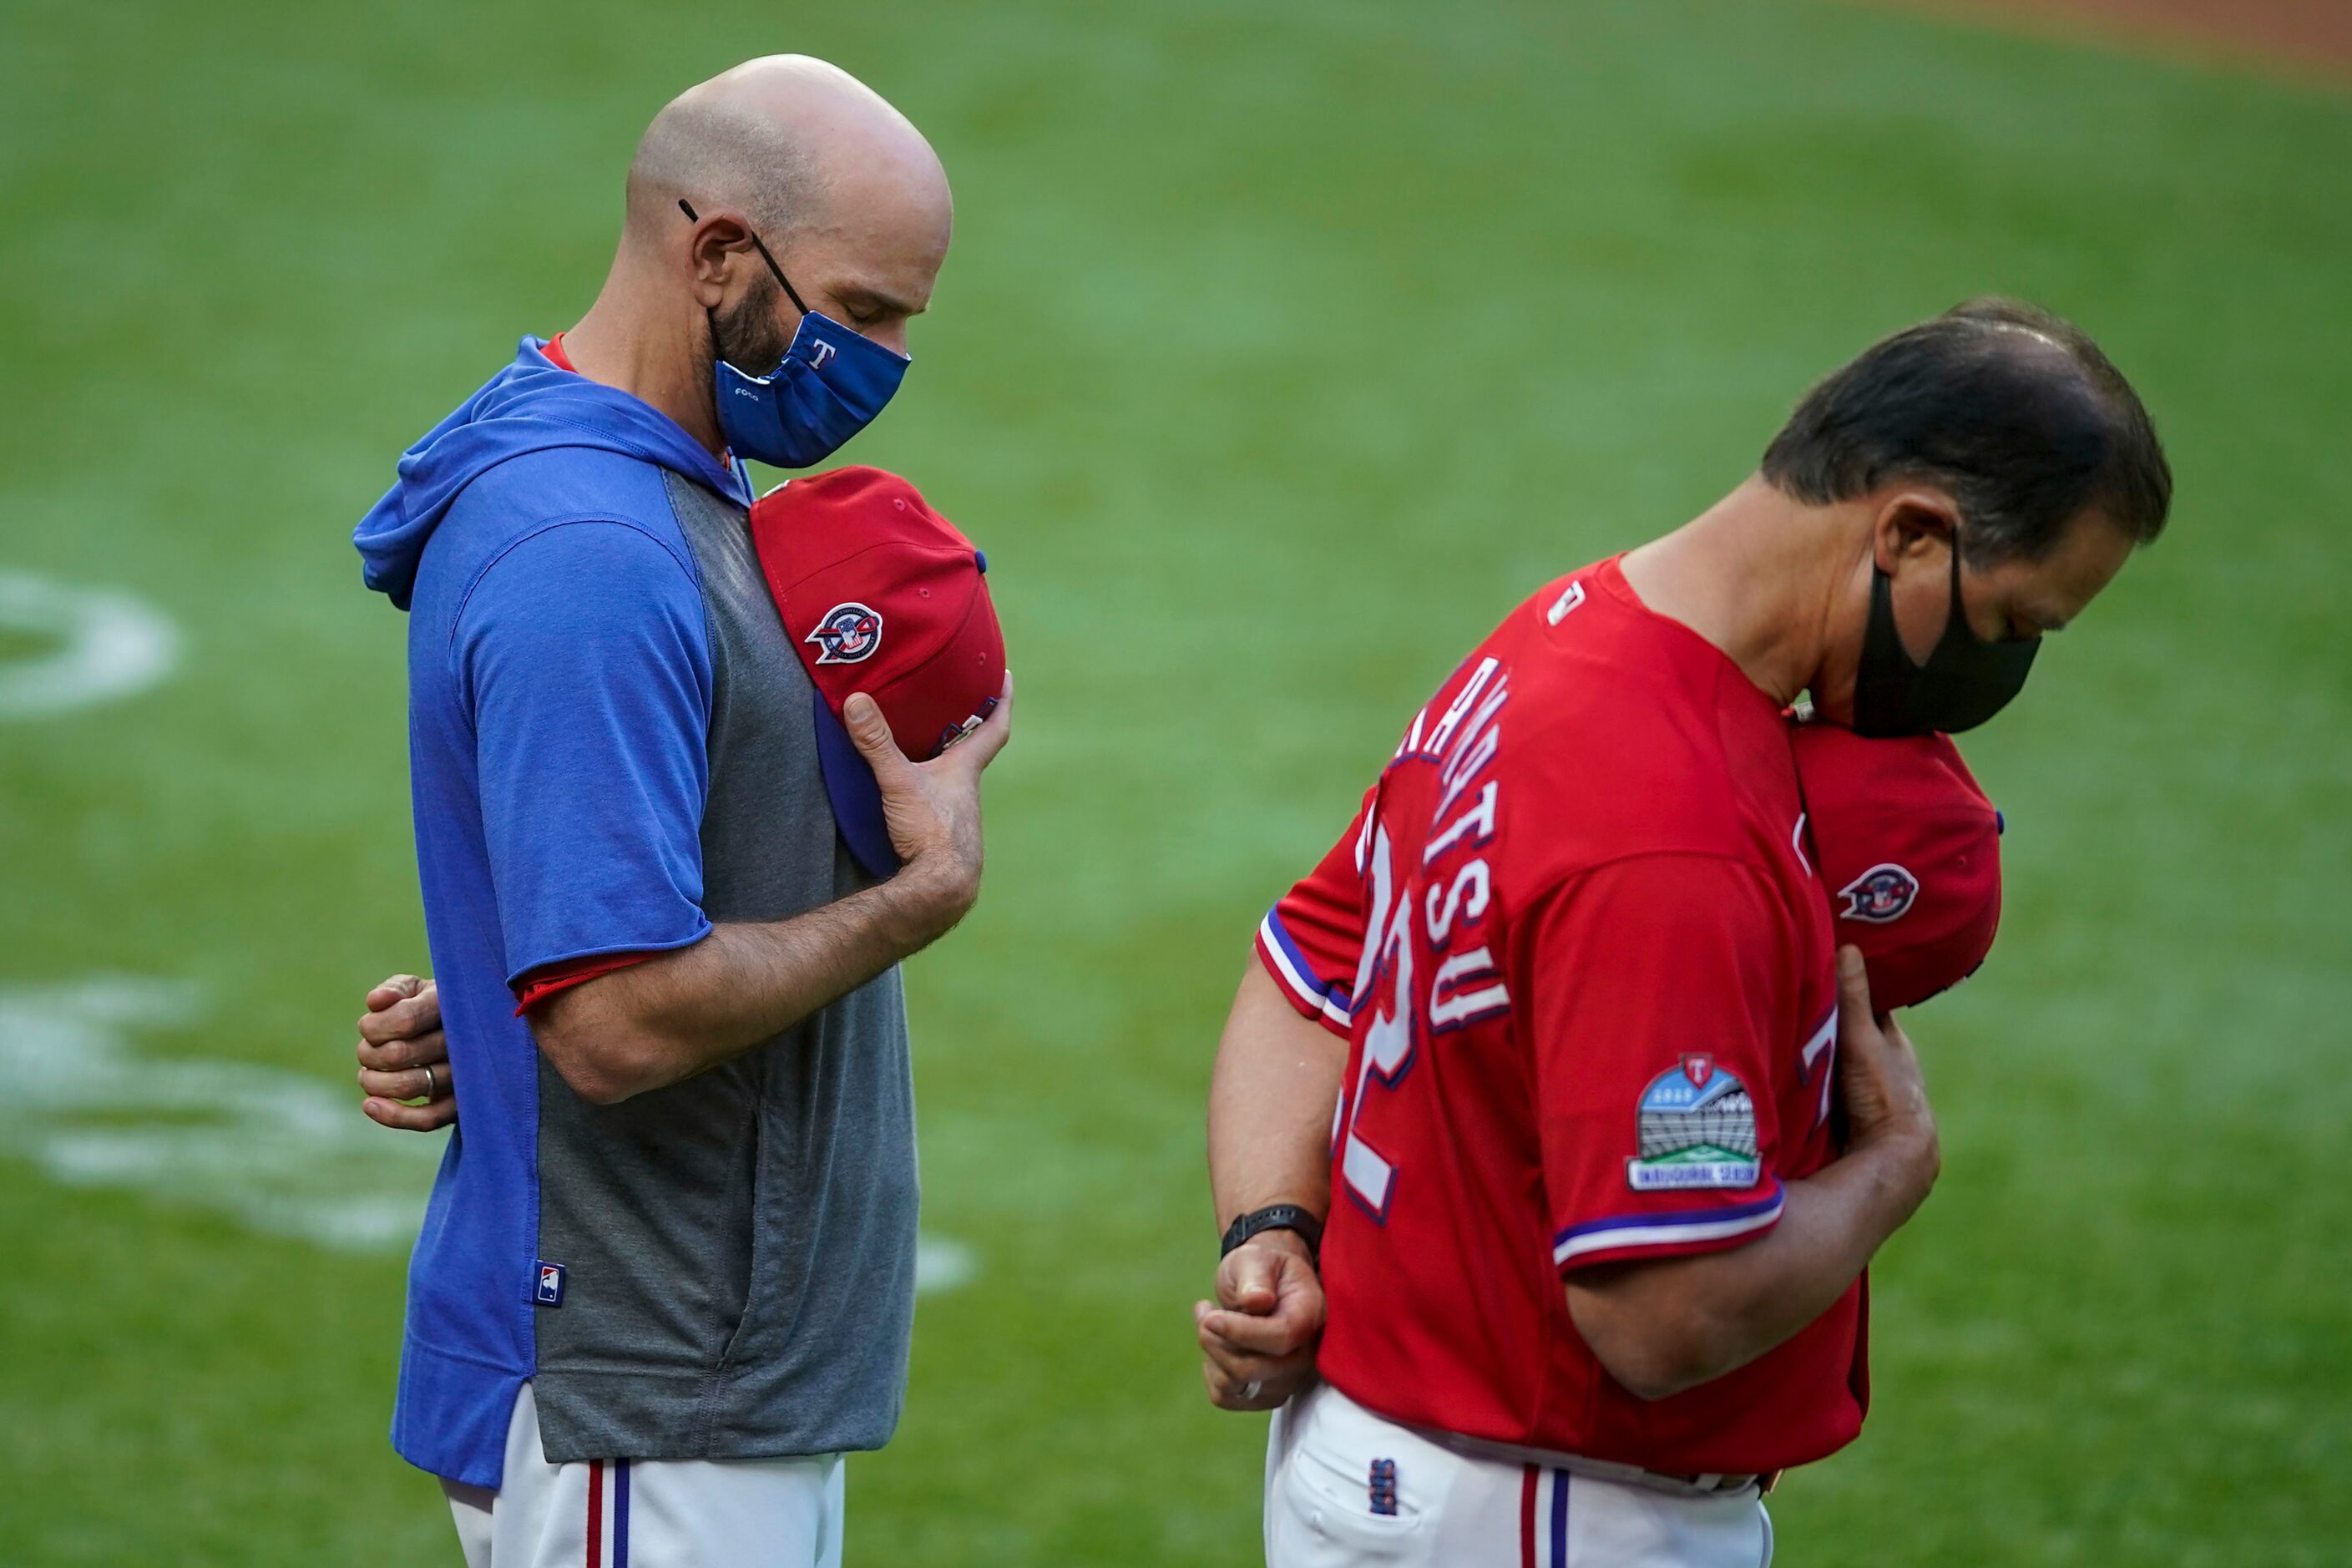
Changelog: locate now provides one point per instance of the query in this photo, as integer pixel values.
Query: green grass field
(1281, 350)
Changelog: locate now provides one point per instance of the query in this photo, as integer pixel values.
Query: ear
(1914, 524)
(716, 247)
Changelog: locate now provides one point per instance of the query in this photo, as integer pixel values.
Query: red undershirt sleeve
(541, 984)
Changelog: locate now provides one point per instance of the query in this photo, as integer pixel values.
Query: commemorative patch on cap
(1909, 850)
(846, 634)
(879, 594)
(1879, 895)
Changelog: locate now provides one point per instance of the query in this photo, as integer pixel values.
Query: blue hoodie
(560, 677)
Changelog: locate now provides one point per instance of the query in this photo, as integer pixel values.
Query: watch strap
(1277, 1216)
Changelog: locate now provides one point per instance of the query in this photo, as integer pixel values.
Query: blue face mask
(831, 385)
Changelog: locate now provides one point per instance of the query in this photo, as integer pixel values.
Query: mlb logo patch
(1883, 894)
(549, 1292)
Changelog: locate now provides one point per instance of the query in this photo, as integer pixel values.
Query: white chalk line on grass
(110, 645)
(281, 1151)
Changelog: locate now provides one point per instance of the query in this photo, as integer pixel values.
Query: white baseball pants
(1334, 1469)
(775, 1513)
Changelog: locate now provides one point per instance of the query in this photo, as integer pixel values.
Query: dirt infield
(2309, 37)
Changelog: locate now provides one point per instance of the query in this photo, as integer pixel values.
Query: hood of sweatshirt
(532, 405)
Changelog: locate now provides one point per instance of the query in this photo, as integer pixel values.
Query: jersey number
(1387, 1040)
(1464, 988)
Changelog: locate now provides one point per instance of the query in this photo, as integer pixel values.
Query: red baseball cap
(1909, 850)
(881, 594)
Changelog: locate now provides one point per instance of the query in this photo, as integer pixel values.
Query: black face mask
(1965, 681)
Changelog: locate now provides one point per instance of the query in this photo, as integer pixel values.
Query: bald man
(666, 1277)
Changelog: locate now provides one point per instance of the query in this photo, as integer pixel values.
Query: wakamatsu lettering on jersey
(1586, 978)
(1462, 987)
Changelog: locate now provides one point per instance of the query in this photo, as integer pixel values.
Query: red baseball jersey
(1596, 1022)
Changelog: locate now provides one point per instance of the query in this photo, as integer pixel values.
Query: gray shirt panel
(740, 1247)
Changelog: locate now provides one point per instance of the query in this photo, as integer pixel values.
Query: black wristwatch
(1277, 1216)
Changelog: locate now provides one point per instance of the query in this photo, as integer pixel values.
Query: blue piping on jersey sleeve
(1637, 1231)
(1329, 998)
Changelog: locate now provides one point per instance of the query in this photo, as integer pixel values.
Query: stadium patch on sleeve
(1696, 1126)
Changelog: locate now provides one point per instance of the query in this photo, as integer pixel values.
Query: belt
(1765, 1481)
(1705, 1482)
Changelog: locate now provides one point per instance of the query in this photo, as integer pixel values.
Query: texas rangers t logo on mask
(1879, 895)
(848, 634)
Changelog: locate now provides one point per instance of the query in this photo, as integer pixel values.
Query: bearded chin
(753, 344)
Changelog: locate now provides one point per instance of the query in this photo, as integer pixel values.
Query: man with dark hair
(1618, 1128)
(2014, 409)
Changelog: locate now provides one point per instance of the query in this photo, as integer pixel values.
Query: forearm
(1277, 1076)
(681, 1012)
(1665, 1326)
